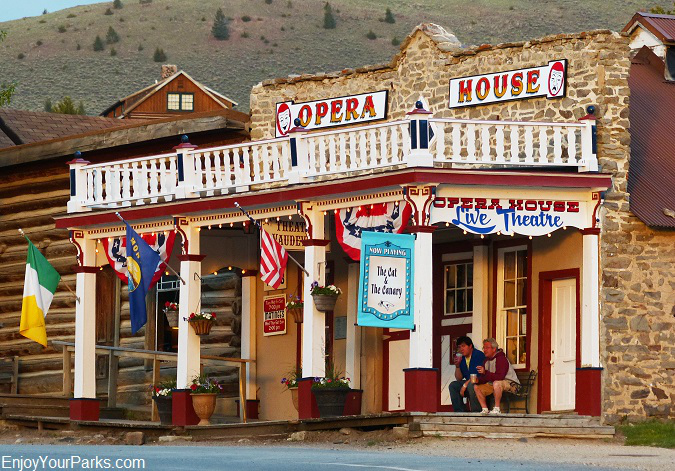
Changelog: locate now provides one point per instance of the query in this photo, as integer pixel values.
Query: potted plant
(295, 307)
(331, 392)
(161, 394)
(202, 322)
(171, 313)
(290, 380)
(204, 392)
(325, 297)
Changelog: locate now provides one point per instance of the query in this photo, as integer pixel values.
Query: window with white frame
(459, 288)
(512, 304)
(180, 101)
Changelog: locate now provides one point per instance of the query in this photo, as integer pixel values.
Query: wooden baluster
(353, 156)
(405, 139)
(440, 142)
(543, 145)
(331, 153)
(153, 180)
(126, 182)
(373, 149)
(247, 164)
(385, 157)
(220, 159)
(275, 161)
(312, 156)
(105, 196)
(471, 142)
(456, 142)
(112, 185)
(98, 196)
(267, 168)
(515, 148)
(322, 156)
(529, 145)
(571, 146)
(499, 143)
(363, 151)
(557, 145)
(393, 145)
(226, 178)
(164, 177)
(343, 152)
(172, 179)
(209, 159)
(236, 166)
(144, 179)
(256, 163)
(485, 142)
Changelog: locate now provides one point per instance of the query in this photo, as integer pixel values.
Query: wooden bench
(523, 394)
(9, 373)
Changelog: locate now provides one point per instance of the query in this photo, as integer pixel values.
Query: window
(180, 101)
(512, 304)
(459, 288)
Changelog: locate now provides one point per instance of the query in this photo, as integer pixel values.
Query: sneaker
(495, 411)
(484, 411)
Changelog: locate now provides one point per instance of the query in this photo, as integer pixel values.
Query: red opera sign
(274, 310)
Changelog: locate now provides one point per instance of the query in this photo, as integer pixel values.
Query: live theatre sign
(386, 281)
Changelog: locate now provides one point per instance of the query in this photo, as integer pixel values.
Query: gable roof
(661, 26)
(135, 99)
(19, 127)
(651, 174)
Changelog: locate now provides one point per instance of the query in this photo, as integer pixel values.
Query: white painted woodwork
(85, 325)
(248, 333)
(590, 307)
(190, 294)
(399, 352)
(563, 344)
(481, 288)
(353, 348)
(421, 339)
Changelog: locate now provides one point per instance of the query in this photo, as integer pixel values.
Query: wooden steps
(510, 426)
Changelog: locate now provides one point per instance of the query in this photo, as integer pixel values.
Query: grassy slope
(56, 68)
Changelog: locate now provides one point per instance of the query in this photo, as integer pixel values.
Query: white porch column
(190, 293)
(353, 354)
(479, 321)
(421, 339)
(314, 324)
(590, 300)
(85, 322)
(248, 330)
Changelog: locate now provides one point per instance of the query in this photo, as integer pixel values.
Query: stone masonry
(637, 295)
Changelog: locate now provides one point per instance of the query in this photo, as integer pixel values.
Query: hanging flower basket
(325, 297)
(171, 313)
(295, 307)
(297, 314)
(202, 322)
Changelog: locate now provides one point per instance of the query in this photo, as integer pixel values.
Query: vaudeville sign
(331, 112)
(547, 80)
(386, 281)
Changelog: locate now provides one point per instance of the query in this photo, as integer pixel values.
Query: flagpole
(77, 298)
(260, 227)
(167, 265)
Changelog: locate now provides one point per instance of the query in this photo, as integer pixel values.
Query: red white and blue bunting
(116, 252)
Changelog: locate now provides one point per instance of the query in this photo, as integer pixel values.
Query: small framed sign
(274, 311)
(386, 280)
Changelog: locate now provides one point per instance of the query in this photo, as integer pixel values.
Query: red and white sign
(274, 311)
(331, 112)
(547, 80)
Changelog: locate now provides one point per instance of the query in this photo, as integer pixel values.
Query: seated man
(497, 376)
(465, 366)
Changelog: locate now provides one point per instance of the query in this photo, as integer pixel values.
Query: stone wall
(637, 292)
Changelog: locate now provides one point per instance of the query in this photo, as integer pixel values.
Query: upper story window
(459, 288)
(180, 102)
(512, 304)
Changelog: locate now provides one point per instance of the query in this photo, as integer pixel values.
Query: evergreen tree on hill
(220, 29)
(389, 16)
(98, 44)
(111, 36)
(328, 18)
(117, 4)
(66, 106)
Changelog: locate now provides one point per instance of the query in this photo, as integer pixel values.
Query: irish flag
(38, 292)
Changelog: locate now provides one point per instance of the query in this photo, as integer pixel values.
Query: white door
(563, 344)
(399, 358)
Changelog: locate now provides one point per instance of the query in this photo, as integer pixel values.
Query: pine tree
(111, 36)
(117, 4)
(328, 18)
(220, 29)
(98, 44)
(48, 105)
(389, 17)
(159, 55)
(66, 106)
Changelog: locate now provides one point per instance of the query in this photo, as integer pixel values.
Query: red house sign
(547, 80)
(274, 310)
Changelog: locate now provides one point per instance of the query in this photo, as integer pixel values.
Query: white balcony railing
(418, 141)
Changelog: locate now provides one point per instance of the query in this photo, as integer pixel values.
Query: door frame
(546, 279)
(387, 338)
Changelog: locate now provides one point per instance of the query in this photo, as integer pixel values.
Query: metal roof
(662, 26)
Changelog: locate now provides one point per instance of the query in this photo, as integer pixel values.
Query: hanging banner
(386, 281)
(525, 216)
(350, 223)
(547, 80)
(331, 112)
(274, 312)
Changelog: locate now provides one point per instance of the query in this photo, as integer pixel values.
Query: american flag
(273, 260)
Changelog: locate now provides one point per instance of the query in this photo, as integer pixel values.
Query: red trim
(81, 269)
(589, 391)
(307, 407)
(590, 231)
(421, 395)
(343, 187)
(191, 257)
(78, 161)
(423, 229)
(85, 409)
(546, 279)
(185, 145)
(389, 337)
(315, 242)
(183, 413)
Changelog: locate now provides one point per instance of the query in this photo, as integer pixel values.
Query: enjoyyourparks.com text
(46, 462)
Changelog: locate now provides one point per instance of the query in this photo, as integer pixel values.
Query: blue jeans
(456, 397)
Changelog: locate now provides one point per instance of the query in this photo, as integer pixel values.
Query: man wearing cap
(465, 366)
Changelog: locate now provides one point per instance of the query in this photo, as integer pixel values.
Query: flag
(142, 262)
(38, 292)
(379, 217)
(116, 251)
(273, 260)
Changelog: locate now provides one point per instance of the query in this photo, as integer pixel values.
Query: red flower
(329, 380)
(167, 304)
(193, 387)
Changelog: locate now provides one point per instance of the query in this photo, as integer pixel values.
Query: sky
(15, 9)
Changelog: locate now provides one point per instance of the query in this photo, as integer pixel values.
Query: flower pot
(202, 326)
(294, 397)
(325, 302)
(164, 407)
(204, 404)
(172, 317)
(331, 402)
(296, 312)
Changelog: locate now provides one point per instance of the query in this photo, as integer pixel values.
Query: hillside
(52, 55)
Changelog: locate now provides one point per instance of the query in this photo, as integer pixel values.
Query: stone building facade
(637, 284)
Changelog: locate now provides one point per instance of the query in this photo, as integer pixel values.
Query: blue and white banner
(386, 284)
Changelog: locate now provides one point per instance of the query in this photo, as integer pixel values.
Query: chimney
(168, 70)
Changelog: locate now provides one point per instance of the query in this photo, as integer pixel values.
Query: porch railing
(418, 141)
